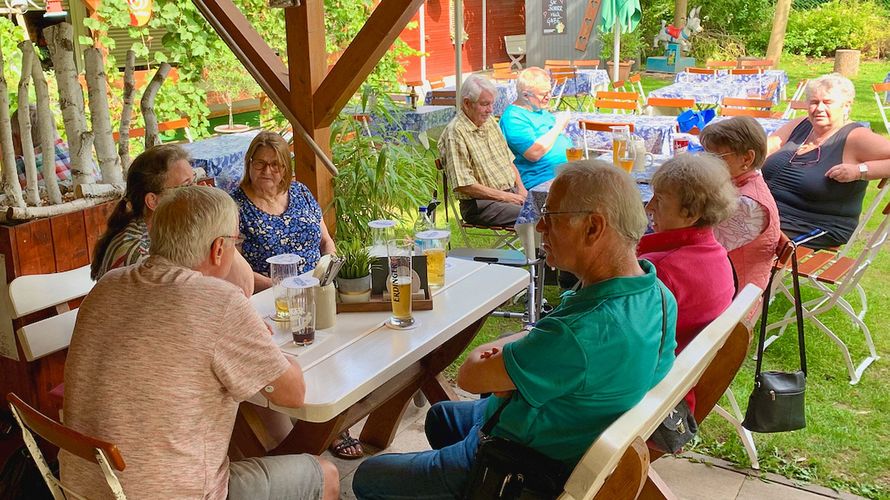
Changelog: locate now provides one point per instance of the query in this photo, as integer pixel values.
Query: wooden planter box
(55, 244)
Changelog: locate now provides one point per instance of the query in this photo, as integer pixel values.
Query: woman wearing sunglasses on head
(819, 166)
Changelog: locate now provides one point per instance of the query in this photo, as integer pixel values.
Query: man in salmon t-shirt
(162, 354)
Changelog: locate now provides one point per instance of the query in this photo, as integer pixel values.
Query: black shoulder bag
(509, 470)
(777, 402)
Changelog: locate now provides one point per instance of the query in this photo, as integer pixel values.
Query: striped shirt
(127, 247)
(476, 155)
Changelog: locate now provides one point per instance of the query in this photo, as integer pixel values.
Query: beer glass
(282, 267)
(400, 279)
(382, 230)
(620, 140)
(300, 293)
(434, 244)
(627, 157)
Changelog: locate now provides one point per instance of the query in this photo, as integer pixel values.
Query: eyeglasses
(238, 239)
(794, 160)
(546, 213)
(260, 165)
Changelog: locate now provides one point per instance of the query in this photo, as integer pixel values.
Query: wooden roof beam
(358, 60)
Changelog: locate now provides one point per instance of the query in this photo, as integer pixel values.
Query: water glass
(300, 292)
(382, 230)
(435, 245)
(399, 253)
(282, 267)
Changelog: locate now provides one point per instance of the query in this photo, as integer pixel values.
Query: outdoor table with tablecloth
(585, 81)
(657, 131)
(222, 157)
(413, 121)
(360, 368)
(761, 81)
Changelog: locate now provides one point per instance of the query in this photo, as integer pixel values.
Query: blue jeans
(452, 429)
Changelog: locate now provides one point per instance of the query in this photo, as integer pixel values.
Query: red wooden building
(485, 24)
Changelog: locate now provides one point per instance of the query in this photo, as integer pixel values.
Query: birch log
(11, 185)
(61, 49)
(46, 131)
(147, 105)
(32, 191)
(26, 213)
(97, 89)
(100, 190)
(123, 142)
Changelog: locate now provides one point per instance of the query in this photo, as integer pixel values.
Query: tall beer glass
(435, 244)
(620, 140)
(281, 267)
(400, 277)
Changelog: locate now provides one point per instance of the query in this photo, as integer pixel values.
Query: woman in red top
(692, 194)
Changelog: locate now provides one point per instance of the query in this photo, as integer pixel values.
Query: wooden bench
(181, 123)
(614, 466)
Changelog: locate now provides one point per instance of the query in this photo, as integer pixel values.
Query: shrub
(819, 31)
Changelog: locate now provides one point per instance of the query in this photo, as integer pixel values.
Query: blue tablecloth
(585, 81)
(769, 76)
(413, 121)
(222, 157)
(708, 89)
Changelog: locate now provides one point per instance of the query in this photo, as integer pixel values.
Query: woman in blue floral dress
(278, 215)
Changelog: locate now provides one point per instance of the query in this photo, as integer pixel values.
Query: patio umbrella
(618, 16)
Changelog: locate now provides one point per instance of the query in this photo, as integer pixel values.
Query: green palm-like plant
(357, 263)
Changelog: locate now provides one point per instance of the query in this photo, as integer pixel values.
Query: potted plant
(354, 278)
(229, 81)
(629, 50)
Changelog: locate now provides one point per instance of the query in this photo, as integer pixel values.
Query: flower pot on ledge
(623, 69)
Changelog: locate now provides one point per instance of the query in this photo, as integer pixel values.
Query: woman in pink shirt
(692, 194)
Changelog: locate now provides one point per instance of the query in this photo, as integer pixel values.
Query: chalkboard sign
(554, 17)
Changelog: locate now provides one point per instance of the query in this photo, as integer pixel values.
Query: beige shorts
(285, 476)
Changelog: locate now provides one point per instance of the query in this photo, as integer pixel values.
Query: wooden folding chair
(557, 63)
(595, 126)
(500, 74)
(763, 64)
(501, 66)
(501, 236)
(721, 64)
(664, 106)
(179, 123)
(443, 98)
(881, 90)
(701, 71)
(739, 106)
(793, 108)
(586, 63)
(621, 101)
(560, 76)
(636, 82)
(615, 457)
(834, 276)
(745, 71)
(102, 453)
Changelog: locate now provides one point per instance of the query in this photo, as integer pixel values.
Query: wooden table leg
(385, 406)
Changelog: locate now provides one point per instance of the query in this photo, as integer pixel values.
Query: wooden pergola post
(305, 91)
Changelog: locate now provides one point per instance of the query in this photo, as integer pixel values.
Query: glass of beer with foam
(435, 244)
(281, 267)
(399, 254)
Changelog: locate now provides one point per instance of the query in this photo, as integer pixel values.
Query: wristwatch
(863, 172)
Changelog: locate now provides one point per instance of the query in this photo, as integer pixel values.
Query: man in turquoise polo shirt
(594, 357)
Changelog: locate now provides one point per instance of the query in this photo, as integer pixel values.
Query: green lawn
(848, 433)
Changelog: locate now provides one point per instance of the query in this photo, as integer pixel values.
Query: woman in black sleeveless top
(819, 166)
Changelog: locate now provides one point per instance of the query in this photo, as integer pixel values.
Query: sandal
(341, 449)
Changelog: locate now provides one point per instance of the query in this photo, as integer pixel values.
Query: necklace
(817, 142)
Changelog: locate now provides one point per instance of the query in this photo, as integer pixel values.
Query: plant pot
(234, 129)
(353, 290)
(623, 68)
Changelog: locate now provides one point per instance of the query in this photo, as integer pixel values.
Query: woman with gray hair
(819, 165)
(533, 133)
(692, 194)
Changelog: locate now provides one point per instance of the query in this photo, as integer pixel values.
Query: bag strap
(798, 307)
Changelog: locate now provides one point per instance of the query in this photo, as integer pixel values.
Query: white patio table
(359, 367)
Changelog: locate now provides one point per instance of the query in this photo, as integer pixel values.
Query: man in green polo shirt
(594, 357)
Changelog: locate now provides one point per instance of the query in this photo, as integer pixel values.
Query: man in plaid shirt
(62, 160)
(478, 162)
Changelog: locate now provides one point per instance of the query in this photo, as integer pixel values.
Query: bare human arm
(327, 243)
(480, 192)
(484, 369)
(544, 143)
(863, 146)
(289, 389)
(261, 282)
(777, 139)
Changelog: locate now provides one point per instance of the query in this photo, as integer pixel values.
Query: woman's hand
(843, 172)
